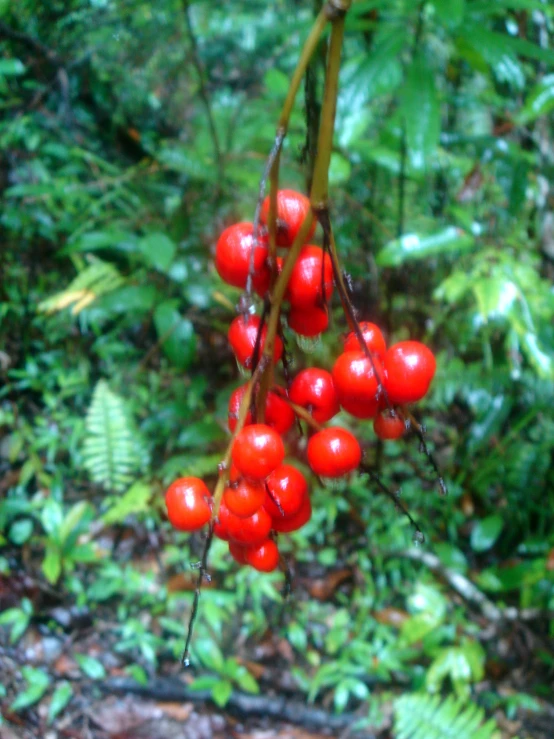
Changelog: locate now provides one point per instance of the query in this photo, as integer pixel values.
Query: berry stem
(348, 308)
(420, 433)
(395, 498)
(185, 659)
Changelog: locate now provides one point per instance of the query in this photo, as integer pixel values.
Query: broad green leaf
(495, 296)
(71, 520)
(246, 681)
(197, 165)
(51, 517)
(125, 241)
(537, 357)
(37, 684)
(52, 563)
(450, 12)
(412, 246)
(221, 692)
(60, 698)
(205, 682)
(11, 67)
(158, 250)
(485, 532)
(20, 531)
(135, 500)
(133, 300)
(176, 334)
(539, 102)
(209, 654)
(420, 110)
(463, 665)
(90, 666)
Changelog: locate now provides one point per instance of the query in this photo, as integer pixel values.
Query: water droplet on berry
(418, 538)
(246, 304)
(308, 344)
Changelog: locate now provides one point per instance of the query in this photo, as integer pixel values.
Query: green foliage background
(114, 366)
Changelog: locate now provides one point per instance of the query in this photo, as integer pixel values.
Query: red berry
(244, 497)
(188, 504)
(264, 558)
(409, 368)
(238, 552)
(305, 289)
(356, 383)
(220, 531)
(308, 322)
(251, 531)
(242, 337)
(287, 488)
(293, 523)
(278, 413)
(374, 340)
(257, 451)
(233, 253)
(314, 389)
(389, 427)
(333, 452)
(292, 209)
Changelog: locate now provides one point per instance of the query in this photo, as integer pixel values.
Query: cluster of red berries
(264, 496)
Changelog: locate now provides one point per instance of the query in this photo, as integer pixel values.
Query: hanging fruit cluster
(262, 496)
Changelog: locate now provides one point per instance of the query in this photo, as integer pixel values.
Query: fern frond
(110, 450)
(423, 716)
(97, 279)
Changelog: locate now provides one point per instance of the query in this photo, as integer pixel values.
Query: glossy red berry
(311, 269)
(314, 390)
(251, 531)
(374, 340)
(333, 452)
(257, 451)
(356, 383)
(409, 369)
(242, 337)
(238, 552)
(264, 558)
(278, 413)
(308, 322)
(188, 504)
(244, 497)
(286, 490)
(233, 254)
(389, 427)
(292, 209)
(293, 523)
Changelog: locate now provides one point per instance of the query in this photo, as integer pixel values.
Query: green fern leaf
(99, 278)
(110, 450)
(423, 716)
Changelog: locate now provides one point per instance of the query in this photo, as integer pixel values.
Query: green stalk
(320, 184)
(307, 52)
